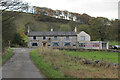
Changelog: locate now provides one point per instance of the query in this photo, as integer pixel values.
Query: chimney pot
(75, 29)
(51, 29)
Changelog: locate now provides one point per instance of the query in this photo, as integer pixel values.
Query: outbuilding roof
(52, 33)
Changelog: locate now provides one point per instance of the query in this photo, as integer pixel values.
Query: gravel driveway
(21, 66)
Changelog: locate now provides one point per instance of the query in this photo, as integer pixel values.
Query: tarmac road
(21, 66)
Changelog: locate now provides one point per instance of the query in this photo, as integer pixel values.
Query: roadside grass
(114, 43)
(43, 66)
(7, 56)
(57, 64)
(95, 55)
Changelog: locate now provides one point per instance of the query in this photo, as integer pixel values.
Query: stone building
(64, 39)
(52, 38)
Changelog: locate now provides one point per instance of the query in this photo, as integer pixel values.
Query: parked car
(116, 47)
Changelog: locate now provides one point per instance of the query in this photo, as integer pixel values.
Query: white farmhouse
(83, 36)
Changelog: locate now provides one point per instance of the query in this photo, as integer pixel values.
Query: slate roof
(52, 33)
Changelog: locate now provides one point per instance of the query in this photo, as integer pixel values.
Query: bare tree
(12, 5)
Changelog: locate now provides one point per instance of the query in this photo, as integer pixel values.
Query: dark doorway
(104, 45)
(44, 44)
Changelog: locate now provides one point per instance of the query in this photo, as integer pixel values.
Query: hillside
(59, 14)
(43, 23)
(16, 24)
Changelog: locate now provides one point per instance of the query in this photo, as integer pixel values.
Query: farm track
(21, 66)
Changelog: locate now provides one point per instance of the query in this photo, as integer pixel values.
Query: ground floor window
(95, 45)
(34, 44)
(81, 44)
(67, 44)
(55, 44)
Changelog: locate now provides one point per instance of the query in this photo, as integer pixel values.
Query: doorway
(44, 44)
(104, 45)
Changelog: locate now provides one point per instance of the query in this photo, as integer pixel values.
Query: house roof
(52, 33)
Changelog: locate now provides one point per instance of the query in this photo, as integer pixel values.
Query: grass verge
(45, 68)
(7, 56)
(95, 55)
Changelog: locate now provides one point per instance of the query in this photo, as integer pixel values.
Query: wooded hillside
(15, 26)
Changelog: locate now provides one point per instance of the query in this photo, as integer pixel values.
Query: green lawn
(96, 55)
(7, 56)
(43, 66)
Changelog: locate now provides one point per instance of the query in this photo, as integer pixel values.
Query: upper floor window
(49, 39)
(44, 38)
(34, 37)
(55, 37)
(67, 38)
(82, 38)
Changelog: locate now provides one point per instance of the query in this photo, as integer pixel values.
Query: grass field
(7, 56)
(95, 55)
(57, 64)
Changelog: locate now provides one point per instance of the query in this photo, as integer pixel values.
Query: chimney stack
(51, 29)
(75, 29)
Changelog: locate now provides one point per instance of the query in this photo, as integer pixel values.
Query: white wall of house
(83, 36)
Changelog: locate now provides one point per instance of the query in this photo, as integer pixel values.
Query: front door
(44, 44)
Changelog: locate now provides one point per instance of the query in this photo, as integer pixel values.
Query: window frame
(81, 38)
(44, 37)
(52, 43)
(67, 42)
(82, 45)
(34, 37)
(55, 38)
(67, 37)
(31, 44)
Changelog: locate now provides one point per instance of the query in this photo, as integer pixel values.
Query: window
(49, 39)
(55, 44)
(67, 38)
(67, 44)
(82, 45)
(48, 44)
(55, 37)
(34, 44)
(82, 38)
(95, 44)
(44, 37)
(34, 37)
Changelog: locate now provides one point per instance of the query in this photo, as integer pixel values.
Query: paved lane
(21, 66)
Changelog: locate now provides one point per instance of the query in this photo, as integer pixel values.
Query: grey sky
(104, 8)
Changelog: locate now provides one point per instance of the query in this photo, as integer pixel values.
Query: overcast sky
(103, 8)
